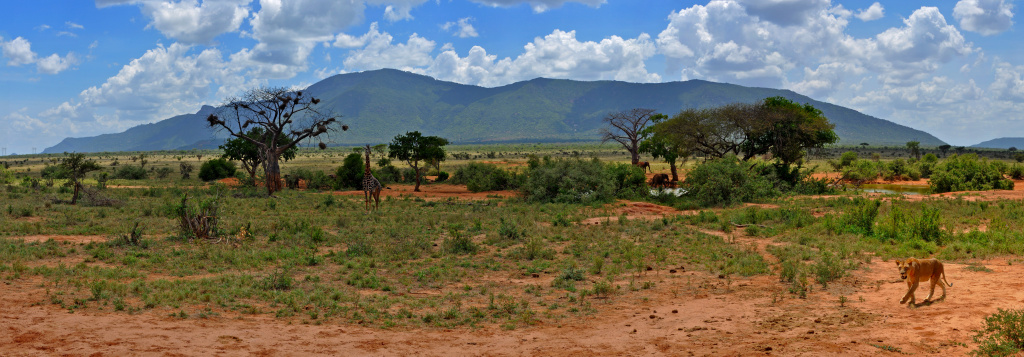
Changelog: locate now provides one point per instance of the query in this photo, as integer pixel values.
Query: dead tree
(627, 128)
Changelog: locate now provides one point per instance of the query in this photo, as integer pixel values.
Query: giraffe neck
(367, 172)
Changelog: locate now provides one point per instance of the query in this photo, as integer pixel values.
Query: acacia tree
(659, 146)
(76, 166)
(712, 132)
(413, 147)
(786, 129)
(249, 154)
(944, 148)
(281, 113)
(775, 125)
(627, 128)
(915, 149)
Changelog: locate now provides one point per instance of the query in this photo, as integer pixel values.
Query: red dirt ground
(687, 313)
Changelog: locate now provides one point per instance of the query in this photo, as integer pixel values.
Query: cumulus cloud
(18, 52)
(538, 5)
(376, 51)
(54, 64)
(462, 29)
(557, 55)
(874, 12)
(1009, 82)
(190, 21)
(785, 12)
(397, 10)
(288, 31)
(162, 82)
(987, 17)
(920, 47)
(726, 41)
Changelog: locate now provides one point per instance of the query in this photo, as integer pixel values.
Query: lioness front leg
(911, 287)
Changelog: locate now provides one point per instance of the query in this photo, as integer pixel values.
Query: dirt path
(688, 313)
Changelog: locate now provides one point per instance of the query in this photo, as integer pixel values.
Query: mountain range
(1001, 143)
(378, 105)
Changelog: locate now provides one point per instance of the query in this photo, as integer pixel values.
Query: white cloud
(987, 17)
(874, 12)
(461, 29)
(920, 47)
(43, 27)
(376, 51)
(162, 82)
(397, 10)
(785, 12)
(190, 21)
(288, 31)
(557, 55)
(726, 41)
(18, 52)
(1009, 82)
(538, 5)
(73, 26)
(54, 64)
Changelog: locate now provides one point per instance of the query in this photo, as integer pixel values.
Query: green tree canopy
(786, 129)
(659, 146)
(413, 148)
(76, 166)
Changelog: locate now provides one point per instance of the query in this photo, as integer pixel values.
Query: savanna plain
(471, 265)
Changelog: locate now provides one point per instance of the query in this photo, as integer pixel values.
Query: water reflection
(896, 189)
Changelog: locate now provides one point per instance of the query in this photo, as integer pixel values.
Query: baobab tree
(280, 112)
(627, 128)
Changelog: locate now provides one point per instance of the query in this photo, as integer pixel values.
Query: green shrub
(216, 169)
(314, 179)
(727, 181)
(387, 174)
(568, 181)
(54, 172)
(828, 268)
(1016, 172)
(967, 173)
(163, 172)
(630, 181)
(480, 177)
(1002, 335)
(6, 176)
(861, 217)
(459, 243)
(847, 159)
(350, 173)
(129, 172)
(861, 170)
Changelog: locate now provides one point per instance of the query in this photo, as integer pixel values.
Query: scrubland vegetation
(312, 256)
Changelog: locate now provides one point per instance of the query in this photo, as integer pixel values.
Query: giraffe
(371, 187)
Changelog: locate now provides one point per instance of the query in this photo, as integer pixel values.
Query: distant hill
(1001, 143)
(378, 105)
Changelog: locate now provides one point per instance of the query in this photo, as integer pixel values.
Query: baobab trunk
(417, 169)
(273, 175)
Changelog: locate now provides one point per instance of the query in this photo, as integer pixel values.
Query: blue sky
(80, 68)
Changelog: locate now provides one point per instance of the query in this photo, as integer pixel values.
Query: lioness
(915, 271)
